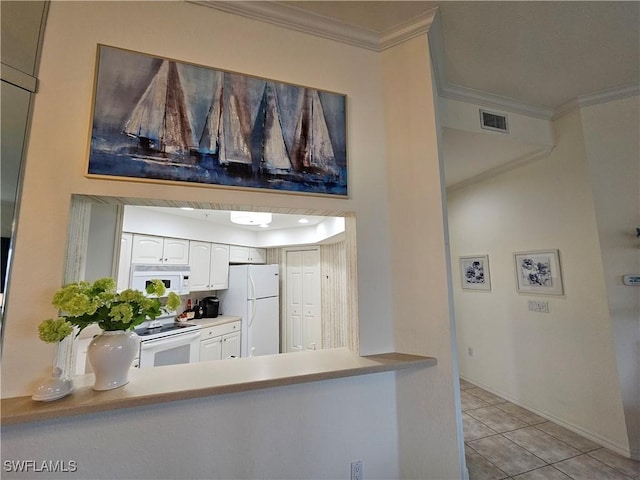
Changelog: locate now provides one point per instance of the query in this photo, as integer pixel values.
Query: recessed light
(250, 218)
(303, 220)
(187, 208)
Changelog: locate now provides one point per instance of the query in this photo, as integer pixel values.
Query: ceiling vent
(493, 121)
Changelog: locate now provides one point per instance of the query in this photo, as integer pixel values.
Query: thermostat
(632, 280)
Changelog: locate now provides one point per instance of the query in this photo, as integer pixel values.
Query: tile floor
(505, 441)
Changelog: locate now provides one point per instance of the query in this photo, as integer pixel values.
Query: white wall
(611, 133)
(561, 364)
(314, 430)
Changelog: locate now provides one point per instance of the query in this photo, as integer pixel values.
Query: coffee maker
(210, 307)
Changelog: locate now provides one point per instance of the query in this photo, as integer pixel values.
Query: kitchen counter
(170, 383)
(212, 322)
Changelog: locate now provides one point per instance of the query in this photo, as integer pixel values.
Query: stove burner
(144, 332)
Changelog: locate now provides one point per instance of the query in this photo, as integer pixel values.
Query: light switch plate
(539, 306)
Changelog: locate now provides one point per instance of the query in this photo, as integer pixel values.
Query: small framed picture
(474, 271)
(538, 272)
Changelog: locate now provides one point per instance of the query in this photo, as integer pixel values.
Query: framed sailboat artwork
(161, 120)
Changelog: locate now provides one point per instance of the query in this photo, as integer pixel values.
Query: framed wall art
(474, 271)
(538, 272)
(156, 119)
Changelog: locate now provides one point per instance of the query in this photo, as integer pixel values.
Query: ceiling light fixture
(251, 218)
(303, 220)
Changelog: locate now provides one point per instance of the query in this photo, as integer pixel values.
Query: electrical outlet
(539, 306)
(470, 351)
(356, 470)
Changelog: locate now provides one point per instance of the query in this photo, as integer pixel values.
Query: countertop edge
(148, 387)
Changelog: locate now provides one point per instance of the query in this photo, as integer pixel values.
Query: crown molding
(305, 21)
(504, 168)
(300, 20)
(469, 95)
(604, 96)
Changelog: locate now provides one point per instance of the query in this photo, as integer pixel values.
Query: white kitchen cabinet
(209, 266)
(219, 267)
(124, 262)
(240, 254)
(200, 263)
(220, 342)
(153, 250)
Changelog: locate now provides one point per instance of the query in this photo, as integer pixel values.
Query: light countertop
(149, 386)
(212, 322)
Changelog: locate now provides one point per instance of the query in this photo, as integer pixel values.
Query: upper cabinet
(238, 254)
(124, 262)
(209, 264)
(148, 249)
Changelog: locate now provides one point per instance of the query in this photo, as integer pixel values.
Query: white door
(303, 323)
(231, 345)
(199, 261)
(263, 327)
(147, 249)
(176, 251)
(124, 262)
(263, 281)
(211, 349)
(219, 267)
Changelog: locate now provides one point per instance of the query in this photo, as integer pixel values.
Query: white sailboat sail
(234, 146)
(160, 120)
(275, 155)
(312, 147)
(212, 132)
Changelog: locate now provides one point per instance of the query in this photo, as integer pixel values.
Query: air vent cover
(493, 121)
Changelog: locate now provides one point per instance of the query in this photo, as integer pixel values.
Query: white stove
(168, 343)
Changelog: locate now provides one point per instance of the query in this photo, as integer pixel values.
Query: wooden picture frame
(162, 120)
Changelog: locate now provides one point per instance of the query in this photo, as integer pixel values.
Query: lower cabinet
(220, 342)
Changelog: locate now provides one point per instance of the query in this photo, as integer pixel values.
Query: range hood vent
(493, 121)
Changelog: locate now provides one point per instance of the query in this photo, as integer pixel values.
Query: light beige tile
(541, 444)
(480, 468)
(474, 429)
(464, 385)
(506, 455)
(586, 467)
(544, 473)
(568, 437)
(497, 419)
(521, 413)
(488, 397)
(623, 464)
(470, 402)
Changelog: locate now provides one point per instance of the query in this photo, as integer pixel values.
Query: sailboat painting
(161, 120)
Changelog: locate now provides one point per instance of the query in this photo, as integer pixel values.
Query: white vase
(111, 355)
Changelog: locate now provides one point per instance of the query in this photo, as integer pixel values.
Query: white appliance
(174, 277)
(253, 295)
(168, 344)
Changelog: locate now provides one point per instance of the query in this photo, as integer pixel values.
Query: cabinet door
(175, 251)
(124, 262)
(258, 255)
(219, 268)
(238, 254)
(147, 249)
(231, 345)
(199, 261)
(211, 349)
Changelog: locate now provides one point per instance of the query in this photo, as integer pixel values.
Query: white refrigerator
(253, 295)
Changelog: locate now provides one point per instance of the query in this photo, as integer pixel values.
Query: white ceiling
(529, 57)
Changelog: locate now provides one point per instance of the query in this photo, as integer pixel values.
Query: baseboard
(594, 437)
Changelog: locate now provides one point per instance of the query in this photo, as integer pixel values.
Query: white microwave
(174, 277)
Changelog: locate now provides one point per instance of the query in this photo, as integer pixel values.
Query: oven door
(170, 350)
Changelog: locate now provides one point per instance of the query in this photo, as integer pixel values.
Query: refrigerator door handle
(252, 299)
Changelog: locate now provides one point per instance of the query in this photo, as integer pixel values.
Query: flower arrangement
(87, 303)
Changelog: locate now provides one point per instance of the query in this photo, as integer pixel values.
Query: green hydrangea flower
(98, 303)
(52, 331)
